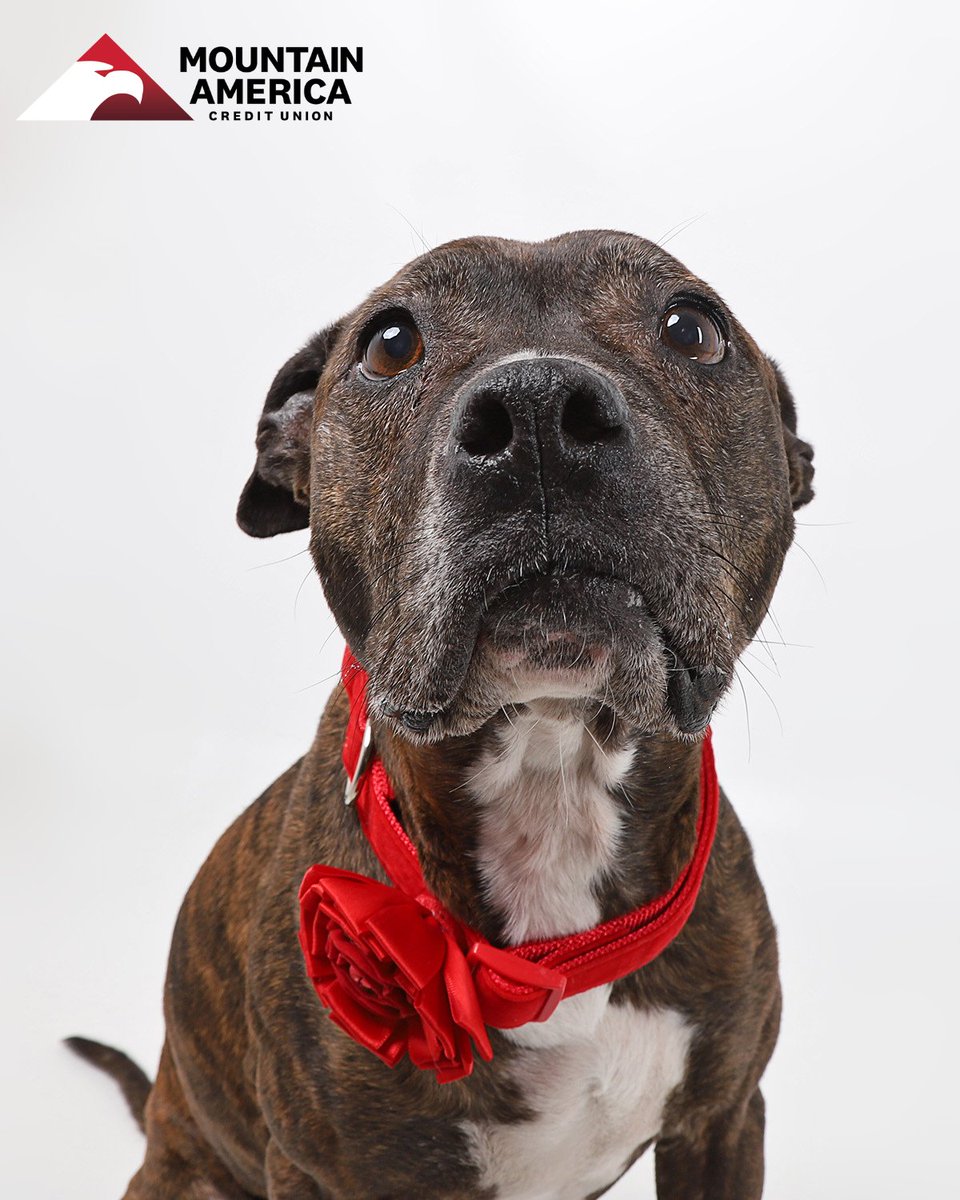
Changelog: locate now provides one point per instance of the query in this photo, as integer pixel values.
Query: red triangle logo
(105, 84)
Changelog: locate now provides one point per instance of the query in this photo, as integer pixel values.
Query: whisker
(765, 692)
(809, 558)
(681, 227)
(746, 711)
(416, 232)
(277, 561)
(296, 598)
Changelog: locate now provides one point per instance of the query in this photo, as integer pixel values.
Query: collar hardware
(364, 755)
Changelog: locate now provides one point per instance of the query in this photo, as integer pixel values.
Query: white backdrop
(160, 669)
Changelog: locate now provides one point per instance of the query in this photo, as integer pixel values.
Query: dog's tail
(134, 1083)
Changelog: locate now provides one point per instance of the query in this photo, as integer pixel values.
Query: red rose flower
(393, 971)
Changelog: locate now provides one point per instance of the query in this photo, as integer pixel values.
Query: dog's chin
(581, 679)
(551, 664)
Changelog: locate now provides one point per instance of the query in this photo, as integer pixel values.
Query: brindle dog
(550, 488)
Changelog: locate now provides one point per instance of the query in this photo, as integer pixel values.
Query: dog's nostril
(586, 419)
(486, 428)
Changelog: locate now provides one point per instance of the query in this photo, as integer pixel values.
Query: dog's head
(560, 469)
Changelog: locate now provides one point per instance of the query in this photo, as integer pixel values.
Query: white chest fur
(595, 1076)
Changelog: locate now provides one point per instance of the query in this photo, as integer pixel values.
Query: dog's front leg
(286, 1181)
(724, 1163)
(179, 1163)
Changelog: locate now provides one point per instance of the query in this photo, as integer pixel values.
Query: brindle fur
(258, 1094)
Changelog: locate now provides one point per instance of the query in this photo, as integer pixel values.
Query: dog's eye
(692, 332)
(396, 345)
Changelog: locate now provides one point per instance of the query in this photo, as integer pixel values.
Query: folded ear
(799, 452)
(276, 498)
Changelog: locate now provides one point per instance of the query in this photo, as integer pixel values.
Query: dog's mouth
(561, 621)
(571, 634)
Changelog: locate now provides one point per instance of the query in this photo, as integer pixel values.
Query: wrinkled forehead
(567, 271)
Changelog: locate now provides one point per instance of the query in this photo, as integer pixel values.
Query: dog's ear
(276, 498)
(799, 452)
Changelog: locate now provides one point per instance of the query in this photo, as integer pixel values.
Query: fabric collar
(402, 975)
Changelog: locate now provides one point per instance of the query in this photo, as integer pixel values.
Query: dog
(549, 489)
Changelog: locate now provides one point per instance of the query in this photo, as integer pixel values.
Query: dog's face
(537, 470)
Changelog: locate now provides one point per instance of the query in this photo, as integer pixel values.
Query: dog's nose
(554, 412)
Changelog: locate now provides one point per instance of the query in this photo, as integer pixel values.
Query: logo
(258, 83)
(105, 84)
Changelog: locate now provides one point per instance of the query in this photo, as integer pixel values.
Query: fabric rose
(393, 971)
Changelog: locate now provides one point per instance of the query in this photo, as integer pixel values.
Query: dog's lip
(568, 623)
(550, 576)
(692, 692)
(559, 613)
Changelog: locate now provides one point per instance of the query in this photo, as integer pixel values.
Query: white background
(160, 669)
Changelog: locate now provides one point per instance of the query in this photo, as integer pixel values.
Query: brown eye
(396, 345)
(692, 332)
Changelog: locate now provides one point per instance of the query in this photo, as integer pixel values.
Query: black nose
(553, 410)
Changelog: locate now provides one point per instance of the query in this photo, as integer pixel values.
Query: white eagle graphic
(80, 91)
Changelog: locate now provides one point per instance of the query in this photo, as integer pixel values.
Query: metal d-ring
(363, 761)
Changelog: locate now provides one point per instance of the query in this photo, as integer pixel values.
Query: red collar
(401, 974)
